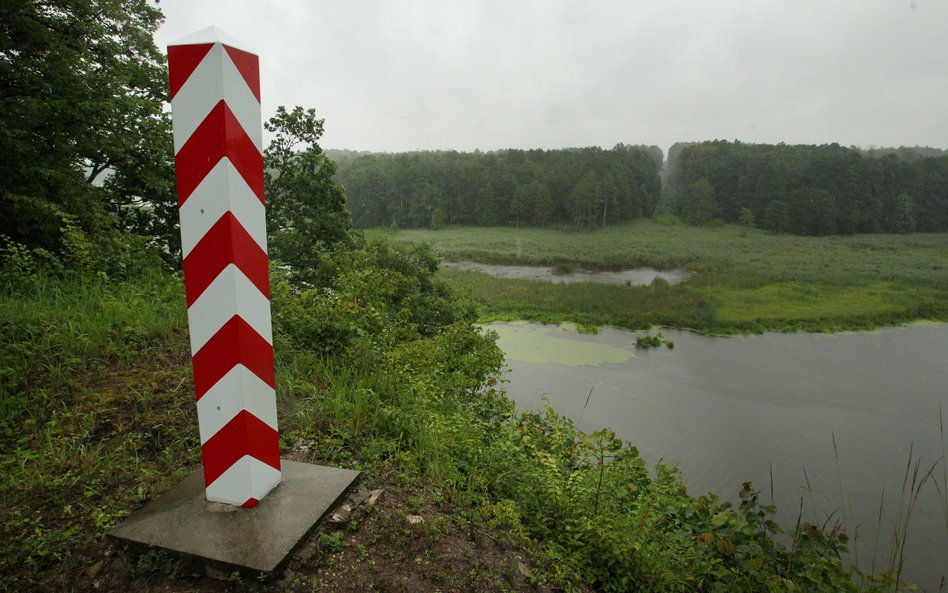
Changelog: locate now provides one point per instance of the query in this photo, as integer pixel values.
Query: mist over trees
(809, 190)
(581, 187)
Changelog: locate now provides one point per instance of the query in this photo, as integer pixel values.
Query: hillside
(384, 372)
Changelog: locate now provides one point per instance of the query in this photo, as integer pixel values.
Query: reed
(744, 281)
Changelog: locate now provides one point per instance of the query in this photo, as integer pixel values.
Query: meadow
(745, 280)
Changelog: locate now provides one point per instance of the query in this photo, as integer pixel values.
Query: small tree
(746, 218)
(306, 209)
(903, 214)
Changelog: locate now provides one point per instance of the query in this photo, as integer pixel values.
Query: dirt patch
(398, 537)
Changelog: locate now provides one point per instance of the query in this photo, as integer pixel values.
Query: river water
(631, 277)
(834, 419)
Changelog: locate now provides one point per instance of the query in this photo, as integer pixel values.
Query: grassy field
(745, 280)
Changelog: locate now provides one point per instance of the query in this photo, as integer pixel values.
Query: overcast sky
(492, 74)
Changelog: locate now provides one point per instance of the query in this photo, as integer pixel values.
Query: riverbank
(745, 280)
(386, 373)
(825, 423)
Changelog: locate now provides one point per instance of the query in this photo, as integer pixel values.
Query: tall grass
(745, 280)
(94, 414)
(53, 331)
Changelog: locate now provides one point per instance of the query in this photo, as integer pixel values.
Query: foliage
(699, 205)
(646, 341)
(306, 210)
(813, 190)
(81, 91)
(95, 415)
(746, 218)
(596, 510)
(381, 368)
(378, 294)
(582, 187)
(744, 281)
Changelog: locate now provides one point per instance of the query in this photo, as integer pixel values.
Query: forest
(798, 189)
(582, 187)
(809, 190)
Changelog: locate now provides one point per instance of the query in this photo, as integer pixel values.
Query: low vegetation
(744, 280)
(381, 370)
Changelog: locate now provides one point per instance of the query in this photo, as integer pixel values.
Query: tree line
(87, 166)
(809, 190)
(583, 187)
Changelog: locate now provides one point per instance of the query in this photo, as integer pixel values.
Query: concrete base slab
(260, 539)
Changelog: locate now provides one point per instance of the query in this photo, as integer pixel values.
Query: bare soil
(409, 539)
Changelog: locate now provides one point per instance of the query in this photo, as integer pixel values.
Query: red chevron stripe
(227, 242)
(244, 435)
(249, 67)
(234, 343)
(219, 135)
(182, 61)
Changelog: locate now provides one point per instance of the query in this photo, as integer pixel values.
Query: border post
(218, 145)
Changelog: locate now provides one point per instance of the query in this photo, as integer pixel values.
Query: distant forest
(584, 187)
(801, 189)
(809, 190)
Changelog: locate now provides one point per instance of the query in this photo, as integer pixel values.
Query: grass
(745, 280)
(95, 416)
(585, 304)
(99, 418)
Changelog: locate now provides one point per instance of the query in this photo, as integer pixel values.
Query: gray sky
(491, 74)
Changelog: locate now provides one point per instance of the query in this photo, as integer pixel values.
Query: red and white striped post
(218, 137)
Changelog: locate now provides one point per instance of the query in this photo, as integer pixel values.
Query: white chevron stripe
(248, 478)
(221, 191)
(231, 293)
(238, 390)
(210, 35)
(214, 79)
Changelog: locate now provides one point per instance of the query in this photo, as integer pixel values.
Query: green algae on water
(551, 345)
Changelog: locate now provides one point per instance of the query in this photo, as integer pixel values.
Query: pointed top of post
(211, 35)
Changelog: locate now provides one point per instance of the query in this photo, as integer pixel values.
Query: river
(834, 419)
(630, 277)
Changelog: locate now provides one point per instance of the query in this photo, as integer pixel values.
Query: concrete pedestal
(261, 538)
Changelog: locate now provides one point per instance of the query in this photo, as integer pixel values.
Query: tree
(585, 201)
(306, 209)
(427, 206)
(903, 214)
(812, 211)
(698, 202)
(746, 218)
(777, 217)
(499, 187)
(531, 204)
(141, 191)
(81, 91)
